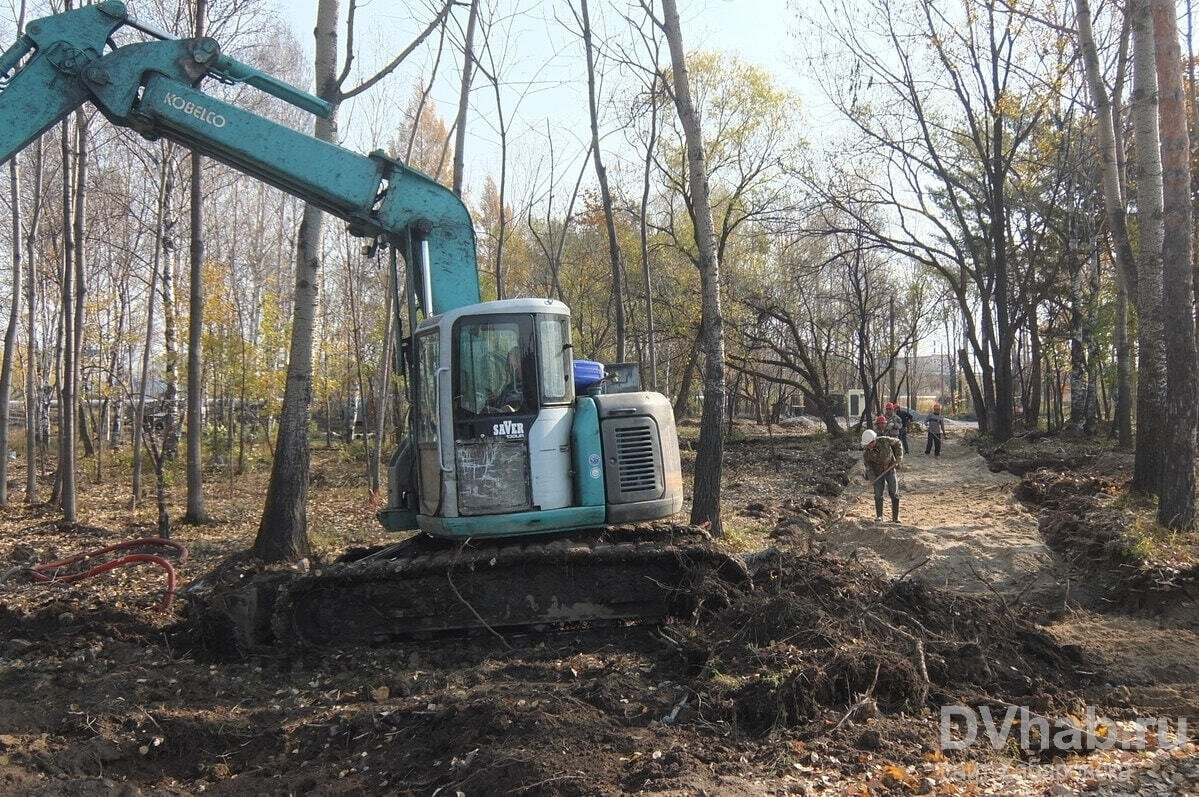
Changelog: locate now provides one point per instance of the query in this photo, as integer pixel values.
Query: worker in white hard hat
(881, 456)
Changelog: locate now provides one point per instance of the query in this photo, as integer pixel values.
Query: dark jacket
(887, 451)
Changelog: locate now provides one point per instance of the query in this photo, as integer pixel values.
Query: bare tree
(14, 313)
(196, 513)
(705, 507)
(72, 164)
(169, 401)
(159, 255)
(32, 391)
(643, 233)
(468, 59)
(1114, 206)
(584, 20)
(947, 102)
(1151, 351)
(1176, 508)
(549, 234)
(283, 531)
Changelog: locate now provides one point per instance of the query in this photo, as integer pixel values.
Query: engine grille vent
(636, 474)
(638, 467)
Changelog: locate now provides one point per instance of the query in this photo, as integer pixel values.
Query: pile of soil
(1079, 521)
(795, 498)
(820, 634)
(1037, 449)
(686, 707)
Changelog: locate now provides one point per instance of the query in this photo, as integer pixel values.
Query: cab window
(429, 358)
(495, 372)
(553, 338)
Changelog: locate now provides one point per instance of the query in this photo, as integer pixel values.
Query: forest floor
(1047, 589)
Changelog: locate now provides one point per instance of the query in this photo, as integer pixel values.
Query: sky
(544, 68)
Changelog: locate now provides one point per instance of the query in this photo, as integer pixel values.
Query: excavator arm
(153, 87)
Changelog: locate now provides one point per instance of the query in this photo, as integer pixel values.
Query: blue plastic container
(587, 373)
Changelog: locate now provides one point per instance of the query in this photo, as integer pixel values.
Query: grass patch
(1149, 542)
(1133, 501)
(742, 535)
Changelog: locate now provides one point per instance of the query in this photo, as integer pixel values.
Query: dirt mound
(763, 692)
(797, 494)
(1028, 452)
(819, 634)
(1079, 520)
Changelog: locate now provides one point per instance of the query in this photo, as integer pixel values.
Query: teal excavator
(509, 439)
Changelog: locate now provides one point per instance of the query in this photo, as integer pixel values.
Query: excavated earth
(823, 674)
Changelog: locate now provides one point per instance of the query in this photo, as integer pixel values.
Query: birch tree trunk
(165, 190)
(66, 396)
(78, 222)
(1177, 504)
(196, 513)
(1079, 386)
(383, 389)
(1115, 210)
(283, 532)
(170, 336)
(601, 175)
(705, 506)
(1193, 95)
(32, 391)
(10, 332)
(1151, 384)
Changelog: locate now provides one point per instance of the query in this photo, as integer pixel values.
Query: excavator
(531, 482)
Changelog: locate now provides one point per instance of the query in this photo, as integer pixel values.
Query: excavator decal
(513, 430)
(191, 109)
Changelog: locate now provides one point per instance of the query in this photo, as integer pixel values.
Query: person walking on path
(893, 423)
(897, 425)
(935, 423)
(880, 425)
(881, 457)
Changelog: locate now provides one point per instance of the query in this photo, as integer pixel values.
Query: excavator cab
(503, 446)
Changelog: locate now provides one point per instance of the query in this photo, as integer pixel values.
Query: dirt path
(966, 522)
(959, 516)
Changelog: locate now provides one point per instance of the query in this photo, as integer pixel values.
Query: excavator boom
(66, 59)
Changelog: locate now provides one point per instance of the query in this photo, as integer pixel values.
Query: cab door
(495, 403)
(426, 434)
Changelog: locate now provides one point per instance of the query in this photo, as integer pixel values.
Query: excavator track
(425, 587)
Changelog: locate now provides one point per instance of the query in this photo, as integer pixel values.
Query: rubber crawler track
(432, 587)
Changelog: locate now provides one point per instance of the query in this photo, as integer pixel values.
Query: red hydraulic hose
(40, 572)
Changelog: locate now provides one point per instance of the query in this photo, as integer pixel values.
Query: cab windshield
(496, 372)
(510, 364)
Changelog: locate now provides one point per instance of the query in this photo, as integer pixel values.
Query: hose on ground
(52, 572)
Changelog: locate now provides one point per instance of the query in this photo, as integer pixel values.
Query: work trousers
(891, 482)
(933, 444)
